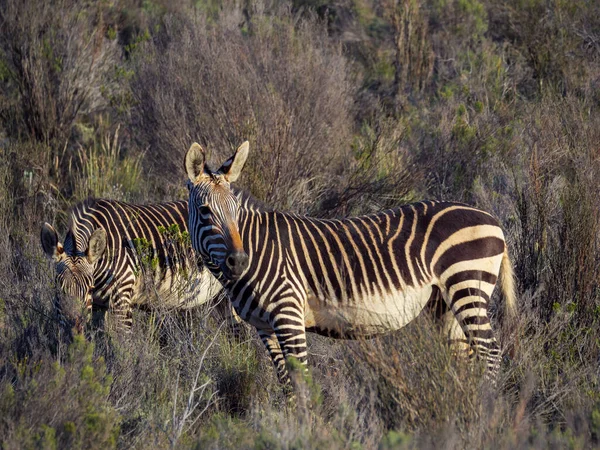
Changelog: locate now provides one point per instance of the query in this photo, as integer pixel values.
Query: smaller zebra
(114, 253)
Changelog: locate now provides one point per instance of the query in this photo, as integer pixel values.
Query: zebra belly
(363, 317)
(177, 290)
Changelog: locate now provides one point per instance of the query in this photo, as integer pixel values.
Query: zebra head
(74, 267)
(214, 211)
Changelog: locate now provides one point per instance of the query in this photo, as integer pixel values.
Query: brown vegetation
(350, 107)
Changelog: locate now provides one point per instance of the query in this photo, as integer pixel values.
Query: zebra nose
(237, 262)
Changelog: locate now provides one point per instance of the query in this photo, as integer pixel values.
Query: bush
(33, 408)
(494, 104)
(276, 81)
(56, 59)
(551, 37)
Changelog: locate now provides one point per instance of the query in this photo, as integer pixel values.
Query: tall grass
(105, 172)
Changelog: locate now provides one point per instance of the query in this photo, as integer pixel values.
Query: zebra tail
(507, 284)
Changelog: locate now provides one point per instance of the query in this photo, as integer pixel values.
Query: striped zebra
(287, 274)
(113, 249)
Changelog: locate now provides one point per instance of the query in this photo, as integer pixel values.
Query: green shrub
(34, 410)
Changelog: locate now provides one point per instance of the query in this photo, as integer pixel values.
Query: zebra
(286, 274)
(112, 250)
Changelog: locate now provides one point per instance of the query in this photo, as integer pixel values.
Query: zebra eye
(204, 210)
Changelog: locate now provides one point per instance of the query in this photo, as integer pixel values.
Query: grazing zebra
(112, 249)
(287, 274)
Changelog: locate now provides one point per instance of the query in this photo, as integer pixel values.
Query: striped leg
(469, 305)
(227, 314)
(269, 338)
(63, 321)
(451, 330)
(89, 303)
(122, 310)
(457, 341)
(286, 339)
(293, 342)
(288, 323)
(291, 335)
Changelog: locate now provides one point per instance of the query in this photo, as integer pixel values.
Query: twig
(191, 406)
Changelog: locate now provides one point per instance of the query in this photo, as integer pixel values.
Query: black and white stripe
(352, 277)
(98, 263)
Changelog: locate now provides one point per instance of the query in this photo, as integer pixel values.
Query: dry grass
(506, 117)
(200, 80)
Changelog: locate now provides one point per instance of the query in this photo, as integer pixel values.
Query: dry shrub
(333, 412)
(427, 397)
(557, 235)
(26, 186)
(483, 127)
(557, 39)
(551, 214)
(57, 59)
(555, 355)
(413, 62)
(384, 175)
(33, 382)
(275, 80)
(421, 385)
(460, 143)
(169, 352)
(457, 28)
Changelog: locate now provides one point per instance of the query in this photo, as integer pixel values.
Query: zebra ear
(194, 161)
(232, 168)
(97, 245)
(50, 244)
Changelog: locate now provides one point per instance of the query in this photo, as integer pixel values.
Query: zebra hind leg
(451, 329)
(457, 341)
(470, 308)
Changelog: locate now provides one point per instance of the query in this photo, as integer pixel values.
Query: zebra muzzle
(236, 263)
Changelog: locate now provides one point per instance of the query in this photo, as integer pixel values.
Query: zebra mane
(80, 209)
(249, 201)
(79, 230)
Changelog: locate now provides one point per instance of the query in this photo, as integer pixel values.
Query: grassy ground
(350, 107)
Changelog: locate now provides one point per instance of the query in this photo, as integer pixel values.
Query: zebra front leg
(122, 310)
(291, 334)
(269, 338)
